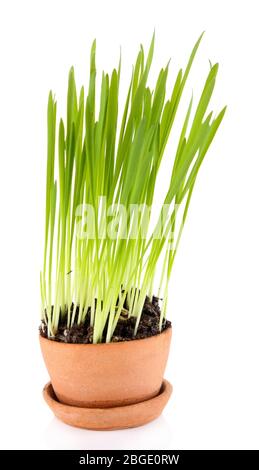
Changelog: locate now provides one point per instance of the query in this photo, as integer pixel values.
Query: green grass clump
(96, 162)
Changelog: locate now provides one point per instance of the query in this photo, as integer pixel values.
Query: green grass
(91, 156)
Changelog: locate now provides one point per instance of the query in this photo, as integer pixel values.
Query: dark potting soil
(148, 326)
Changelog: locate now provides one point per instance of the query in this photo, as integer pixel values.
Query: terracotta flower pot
(107, 375)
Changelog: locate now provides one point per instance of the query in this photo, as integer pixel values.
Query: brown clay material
(107, 375)
(110, 418)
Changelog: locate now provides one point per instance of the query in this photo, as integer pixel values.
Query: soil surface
(148, 326)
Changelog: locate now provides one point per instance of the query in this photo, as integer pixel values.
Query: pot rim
(61, 344)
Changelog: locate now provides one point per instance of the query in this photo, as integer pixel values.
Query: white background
(214, 291)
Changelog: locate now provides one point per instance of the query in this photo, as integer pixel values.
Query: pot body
(106, 375)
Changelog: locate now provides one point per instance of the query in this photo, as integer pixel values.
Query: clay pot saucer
(118, 417)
